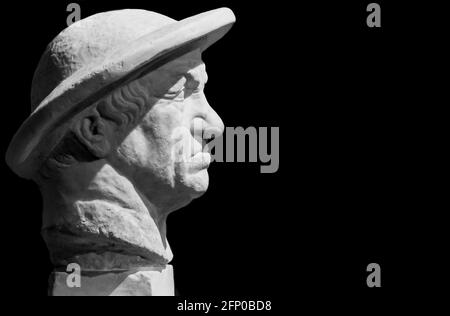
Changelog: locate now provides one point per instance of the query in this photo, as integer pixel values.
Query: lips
(200, 160)
(191, 153)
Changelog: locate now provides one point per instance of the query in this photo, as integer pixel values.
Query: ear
(95, 133)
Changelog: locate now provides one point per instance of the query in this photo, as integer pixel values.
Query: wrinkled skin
(118, 201)
(164, 154)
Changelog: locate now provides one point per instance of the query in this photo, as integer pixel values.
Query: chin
(196, 183)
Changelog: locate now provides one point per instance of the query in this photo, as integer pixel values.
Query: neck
(92, 210)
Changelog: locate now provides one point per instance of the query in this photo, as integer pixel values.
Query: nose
(207, 123)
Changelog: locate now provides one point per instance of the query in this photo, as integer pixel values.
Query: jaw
(186, 187)
(197, 183)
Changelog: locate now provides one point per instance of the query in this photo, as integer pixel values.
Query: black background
(348, 185)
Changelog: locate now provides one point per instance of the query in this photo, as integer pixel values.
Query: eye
(183, 89)
(179, 95)
(184, 92)
(175, 94)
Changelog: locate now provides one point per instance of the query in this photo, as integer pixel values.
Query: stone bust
(116, 142)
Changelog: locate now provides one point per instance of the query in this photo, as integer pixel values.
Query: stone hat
(92, 57)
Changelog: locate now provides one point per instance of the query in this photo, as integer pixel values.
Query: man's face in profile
(165, 154)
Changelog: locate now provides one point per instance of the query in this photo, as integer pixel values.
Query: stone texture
(116, 142)
(149, 281)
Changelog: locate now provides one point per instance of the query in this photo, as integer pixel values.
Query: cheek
(156, 135)
(135, 150)
(162, 120)
(154, 143)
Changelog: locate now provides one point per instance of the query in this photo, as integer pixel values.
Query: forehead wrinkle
(183, 63)
(187, 66)
(190, 70)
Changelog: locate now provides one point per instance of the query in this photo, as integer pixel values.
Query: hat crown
(89, 41)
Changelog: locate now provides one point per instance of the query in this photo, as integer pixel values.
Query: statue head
(152, 131)
(117, 137)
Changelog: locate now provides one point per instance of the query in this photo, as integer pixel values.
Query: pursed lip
(198, 148)
(200, 158)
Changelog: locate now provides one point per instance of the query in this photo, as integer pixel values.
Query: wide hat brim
(43, 129)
